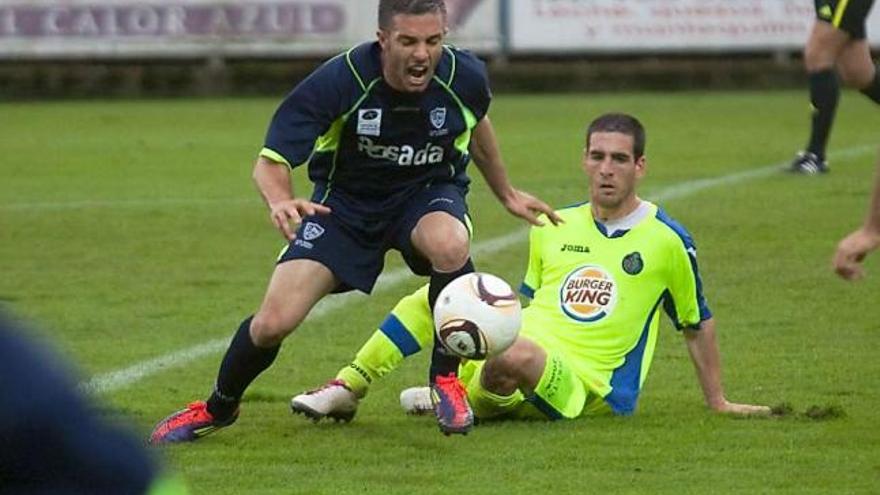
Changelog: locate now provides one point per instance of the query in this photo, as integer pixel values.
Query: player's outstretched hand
(288, 214)
(527, 207)
(852, 250)
(727, 407)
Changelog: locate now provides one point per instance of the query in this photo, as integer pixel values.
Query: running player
(387, 129)
(836, 47)
(596, 284)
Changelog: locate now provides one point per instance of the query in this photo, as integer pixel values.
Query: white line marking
(121, 379)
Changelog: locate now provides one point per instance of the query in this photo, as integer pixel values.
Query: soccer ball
(477, 316)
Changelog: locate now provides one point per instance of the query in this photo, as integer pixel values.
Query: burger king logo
(588, 294)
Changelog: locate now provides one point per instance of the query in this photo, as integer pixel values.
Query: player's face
(613, 170)
(411, 49)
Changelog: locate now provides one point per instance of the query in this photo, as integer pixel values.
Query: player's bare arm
(859, 243)
(703, 348)
(285, 211)
(853, 249)
(485, 152)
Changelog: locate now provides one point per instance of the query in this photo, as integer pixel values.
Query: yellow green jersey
(596, 295)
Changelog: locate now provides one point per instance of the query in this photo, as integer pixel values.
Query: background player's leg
(820, 54)
(857, 69)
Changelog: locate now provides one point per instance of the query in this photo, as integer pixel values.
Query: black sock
(443, 363)
(873, 89)
(242, 363)
(824, 95)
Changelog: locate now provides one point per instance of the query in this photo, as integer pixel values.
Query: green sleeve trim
(363, 97)
(452, 70)
(275, 156)
(469, 225)
(330, 140)
(353, 70)
(463, 139)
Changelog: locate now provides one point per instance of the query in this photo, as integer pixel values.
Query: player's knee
(855, 77)
(450, 254)
(508, 370)
(443, 240)
(270, 327)
(497, 377)
(817, 58)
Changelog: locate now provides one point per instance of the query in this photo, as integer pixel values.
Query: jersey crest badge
(312, 231)
(438, 117)
(632, 263)
(369, 121)
(588, 294)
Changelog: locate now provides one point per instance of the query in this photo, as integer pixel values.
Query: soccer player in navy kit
(836, 47)
(387, 129)
(81, 454)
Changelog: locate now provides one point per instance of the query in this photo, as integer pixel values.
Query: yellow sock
(407, 330)
(374, 360)
(486, 404)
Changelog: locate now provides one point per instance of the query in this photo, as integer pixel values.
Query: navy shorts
(848, 16)
(352, 242)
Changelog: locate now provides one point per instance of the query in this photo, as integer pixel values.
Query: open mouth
(417, 74)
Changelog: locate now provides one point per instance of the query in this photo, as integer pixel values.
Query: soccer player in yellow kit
(596, 282)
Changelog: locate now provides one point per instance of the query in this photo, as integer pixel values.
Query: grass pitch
(130, 231)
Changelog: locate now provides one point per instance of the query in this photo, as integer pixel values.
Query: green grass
(131, 230)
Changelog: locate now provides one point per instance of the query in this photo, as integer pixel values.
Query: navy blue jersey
(51, 440)
(372, 144)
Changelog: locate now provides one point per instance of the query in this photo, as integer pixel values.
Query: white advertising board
(597, 26)
(195, 28)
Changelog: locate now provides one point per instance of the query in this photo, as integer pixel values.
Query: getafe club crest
(589, 293)
(632, 263)
(438, 117)
(312, 231)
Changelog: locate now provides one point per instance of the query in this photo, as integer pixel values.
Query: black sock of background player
(873, 89)
(824, 95)
(443, 363)
(242, 363)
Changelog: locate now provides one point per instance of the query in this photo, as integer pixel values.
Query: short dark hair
(622, 123)
(390, 8)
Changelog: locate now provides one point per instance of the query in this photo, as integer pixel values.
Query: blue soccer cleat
(454, 414)
(188, 425)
